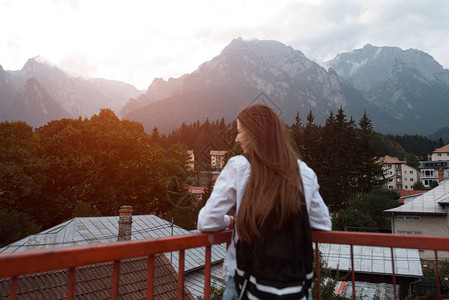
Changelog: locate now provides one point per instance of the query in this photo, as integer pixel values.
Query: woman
(268, 185)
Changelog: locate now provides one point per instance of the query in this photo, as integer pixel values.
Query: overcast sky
(137, 40)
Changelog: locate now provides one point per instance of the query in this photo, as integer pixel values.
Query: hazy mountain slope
(33, 105)
(234, 79)
(75, 96)
(408, 85)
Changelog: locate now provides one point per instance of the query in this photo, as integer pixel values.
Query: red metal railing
(15, 264)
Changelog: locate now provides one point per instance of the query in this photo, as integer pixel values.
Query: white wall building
(400, 175)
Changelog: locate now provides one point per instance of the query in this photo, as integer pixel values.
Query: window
(408, 218)
(389, 166)
(411, 179)
(399, 179)
(406, 187)
(390, 173)
(409, 232)
(405, 179)
(439, 154)
(398, 173)
(411, 172)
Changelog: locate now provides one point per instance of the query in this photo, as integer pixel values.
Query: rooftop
(443, 149)
(372, 260)
(391, 160)
(431, 202)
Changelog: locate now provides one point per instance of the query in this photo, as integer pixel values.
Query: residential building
(423, 214)
(400, 175)
(197, 191)
(217, 159)
(440, 153)
(433, 171)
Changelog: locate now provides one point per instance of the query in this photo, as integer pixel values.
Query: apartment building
(400, 175)
(217, 159)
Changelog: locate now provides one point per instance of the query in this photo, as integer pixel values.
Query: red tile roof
(443, 149)
(95, 282)
(391, 160)
(196, 189)
(405, 193)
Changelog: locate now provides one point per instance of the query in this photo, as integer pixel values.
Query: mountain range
(402, 91)
(41, 92)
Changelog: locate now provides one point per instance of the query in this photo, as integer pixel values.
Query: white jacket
(229, 189)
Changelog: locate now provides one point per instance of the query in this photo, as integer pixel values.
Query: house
(440, 153)
(423, 214)
(96, 230)
(433, 171)
(400, 175)
(197, 191)
(217, 159)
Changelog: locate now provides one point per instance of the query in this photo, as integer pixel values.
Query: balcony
(71, 259)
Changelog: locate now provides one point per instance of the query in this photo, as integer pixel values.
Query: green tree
(328, 282)
(15, 225)
(83, 209)
(370, 174)
(365, 211)
(21, 170)
(433, 184)
(419, 186)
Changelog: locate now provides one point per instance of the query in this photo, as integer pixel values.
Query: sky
(136, 41)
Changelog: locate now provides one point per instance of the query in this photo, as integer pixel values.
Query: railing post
(13, 288)
(207, 272)
(71, 284)
(318, 274)
(352, 272)
(181, 274)
(150, 278)
(437, 274)
(115, 280)
(393, 272)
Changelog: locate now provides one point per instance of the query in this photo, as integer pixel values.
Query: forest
(90, 167)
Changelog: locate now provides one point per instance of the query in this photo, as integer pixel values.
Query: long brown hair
(274, 192)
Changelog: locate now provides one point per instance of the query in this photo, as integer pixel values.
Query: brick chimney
(440, 174)
(125, 222)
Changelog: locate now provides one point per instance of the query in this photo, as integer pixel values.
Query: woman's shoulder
(238, 161)
(307, 172)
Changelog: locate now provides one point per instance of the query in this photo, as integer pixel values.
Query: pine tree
(370, 173)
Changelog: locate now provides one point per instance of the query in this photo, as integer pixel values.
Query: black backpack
(277, 265)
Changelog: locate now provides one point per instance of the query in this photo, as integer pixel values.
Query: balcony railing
(15, 264)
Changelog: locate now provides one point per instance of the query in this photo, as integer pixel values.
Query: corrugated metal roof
(371, 291)
(372, 260)
(195, 280)
(428, 203)
(100, 230)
